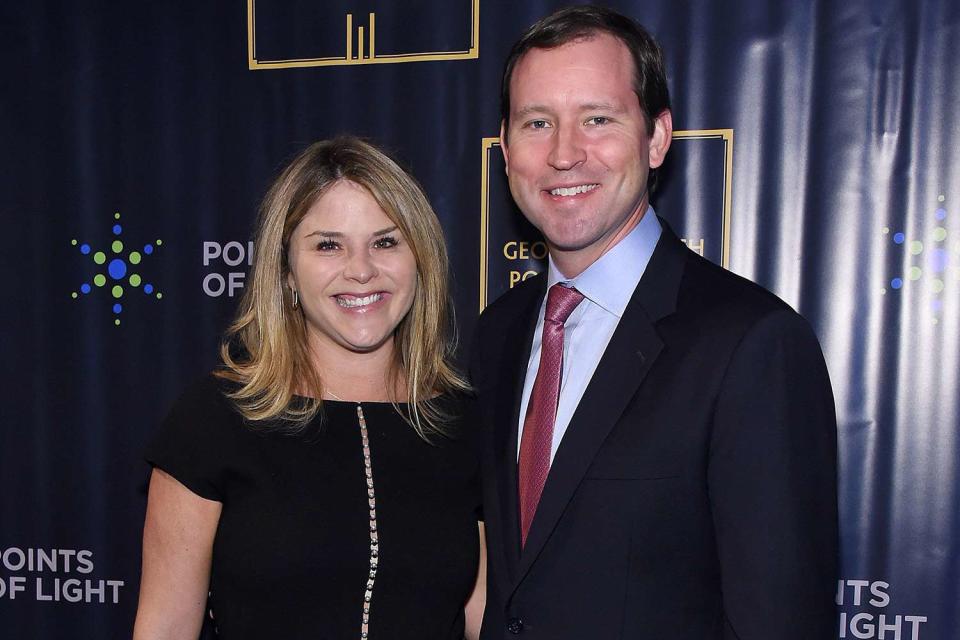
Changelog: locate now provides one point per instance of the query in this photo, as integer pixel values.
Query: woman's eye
(327, 245)
(386, 242)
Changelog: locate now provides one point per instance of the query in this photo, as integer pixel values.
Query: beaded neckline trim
(374, 538)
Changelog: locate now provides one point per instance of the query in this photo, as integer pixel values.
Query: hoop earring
(296, 299)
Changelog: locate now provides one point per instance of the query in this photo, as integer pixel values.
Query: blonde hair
(265, 350)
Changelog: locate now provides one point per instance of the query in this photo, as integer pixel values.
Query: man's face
(578, 151)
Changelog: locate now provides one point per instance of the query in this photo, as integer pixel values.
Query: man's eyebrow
(539, 109)
(601, 106)
(532, 109)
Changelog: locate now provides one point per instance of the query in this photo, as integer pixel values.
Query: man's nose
(568, 150)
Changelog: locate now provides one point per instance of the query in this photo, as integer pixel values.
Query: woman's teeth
(353, 302)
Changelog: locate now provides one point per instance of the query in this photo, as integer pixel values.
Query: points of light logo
(929, 264)
(118, 271)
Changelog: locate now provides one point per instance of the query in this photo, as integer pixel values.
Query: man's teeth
(350, 301)
(572, 191)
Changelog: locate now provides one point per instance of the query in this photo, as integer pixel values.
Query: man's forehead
(583, 52)
(595, 72)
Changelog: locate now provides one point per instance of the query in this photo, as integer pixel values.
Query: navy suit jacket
(693, 495)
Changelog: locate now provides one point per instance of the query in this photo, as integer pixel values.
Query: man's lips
(573, 190)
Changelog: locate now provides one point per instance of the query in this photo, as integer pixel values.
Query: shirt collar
(609, 282)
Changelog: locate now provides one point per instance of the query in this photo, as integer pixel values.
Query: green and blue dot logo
(118, 270)
(932, 262)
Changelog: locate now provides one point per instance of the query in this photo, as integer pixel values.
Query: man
(660, 454)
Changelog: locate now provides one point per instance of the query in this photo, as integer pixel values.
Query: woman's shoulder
(203, 412)
(206, 394)
(454, 401)
(201, 436)
(457, 409)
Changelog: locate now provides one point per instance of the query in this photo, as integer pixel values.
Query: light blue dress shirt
(607, 286)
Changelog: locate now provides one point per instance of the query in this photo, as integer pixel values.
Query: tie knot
(561, 301)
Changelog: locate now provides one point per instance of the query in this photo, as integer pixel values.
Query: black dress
(291, 557)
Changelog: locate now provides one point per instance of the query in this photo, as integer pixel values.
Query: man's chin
(569, 244)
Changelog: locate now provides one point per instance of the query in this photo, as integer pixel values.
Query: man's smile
(574, 190)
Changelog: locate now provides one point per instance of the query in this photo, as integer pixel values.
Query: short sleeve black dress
(292, 553)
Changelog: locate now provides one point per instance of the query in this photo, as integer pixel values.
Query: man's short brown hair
(586, 21)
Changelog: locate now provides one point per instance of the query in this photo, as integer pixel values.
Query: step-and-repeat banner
(817, 153)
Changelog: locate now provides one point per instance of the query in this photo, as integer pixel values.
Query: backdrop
(818, 153)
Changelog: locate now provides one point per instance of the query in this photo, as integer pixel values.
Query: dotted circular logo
(118, 271)
(931, 262)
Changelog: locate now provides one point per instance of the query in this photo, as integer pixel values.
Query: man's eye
(386, 242)
(537, 124)
(327, 245)
(598, 120)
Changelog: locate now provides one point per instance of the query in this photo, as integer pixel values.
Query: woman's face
(353, 270)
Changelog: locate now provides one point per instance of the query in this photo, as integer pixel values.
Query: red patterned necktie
(535, 444)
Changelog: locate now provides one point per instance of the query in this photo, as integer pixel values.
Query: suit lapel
(630, 354)
(516, 350)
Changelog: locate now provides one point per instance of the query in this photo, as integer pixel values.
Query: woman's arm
(177, 550)
(474, 607)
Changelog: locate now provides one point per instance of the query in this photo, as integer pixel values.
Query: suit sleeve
(772, 477)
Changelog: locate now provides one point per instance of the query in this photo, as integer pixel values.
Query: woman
(319, 485)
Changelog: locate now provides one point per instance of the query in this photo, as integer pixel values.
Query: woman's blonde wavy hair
(265, 350)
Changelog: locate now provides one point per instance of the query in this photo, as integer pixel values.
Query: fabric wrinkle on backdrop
(817, 152)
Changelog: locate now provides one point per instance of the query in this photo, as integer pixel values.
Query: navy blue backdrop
(818, 153)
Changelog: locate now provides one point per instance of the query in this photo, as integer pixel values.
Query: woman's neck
(357, 376)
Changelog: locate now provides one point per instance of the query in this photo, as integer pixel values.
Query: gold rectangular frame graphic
(694, 134)
(349, 57)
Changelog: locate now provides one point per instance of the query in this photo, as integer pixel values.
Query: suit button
(515, 625)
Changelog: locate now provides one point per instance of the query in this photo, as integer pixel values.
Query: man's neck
(572, 263)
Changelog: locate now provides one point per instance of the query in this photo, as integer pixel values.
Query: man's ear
(503, 147)
(660, 139)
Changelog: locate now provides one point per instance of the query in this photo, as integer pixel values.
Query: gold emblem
(359, 44)
(519, 256)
